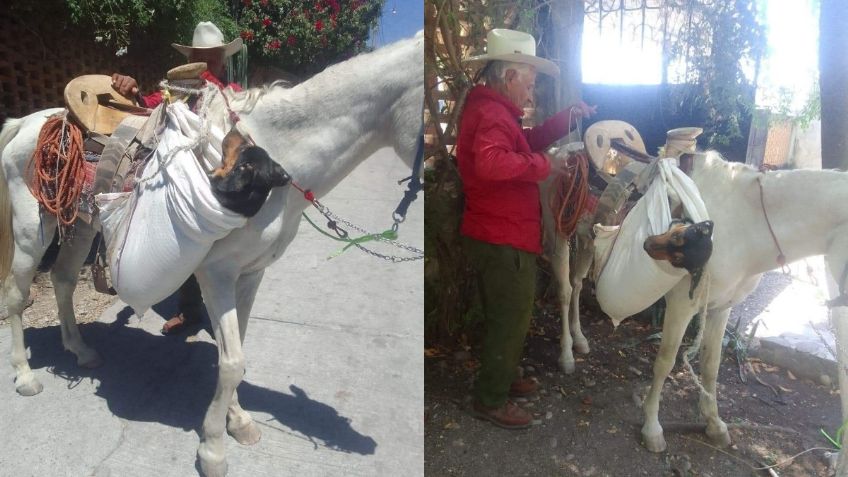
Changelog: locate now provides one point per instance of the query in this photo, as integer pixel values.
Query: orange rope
(570, 194)
(56, 170)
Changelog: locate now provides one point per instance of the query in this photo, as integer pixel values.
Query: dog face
(685, 245)
(246, 176)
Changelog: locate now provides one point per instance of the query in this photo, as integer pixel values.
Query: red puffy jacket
(500, 168)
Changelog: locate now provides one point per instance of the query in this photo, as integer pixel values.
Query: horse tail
(7, 241)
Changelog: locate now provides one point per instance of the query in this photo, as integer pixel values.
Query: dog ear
(279, 176)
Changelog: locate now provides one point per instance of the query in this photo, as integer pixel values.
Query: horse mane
(245, 101)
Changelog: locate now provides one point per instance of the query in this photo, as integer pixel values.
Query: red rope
(570, 194)
(56, 170)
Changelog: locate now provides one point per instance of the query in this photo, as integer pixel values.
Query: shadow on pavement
(154, 378)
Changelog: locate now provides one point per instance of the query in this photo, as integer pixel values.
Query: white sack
(158, 234)
(630, 280)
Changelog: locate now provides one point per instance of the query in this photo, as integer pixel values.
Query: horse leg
(560, 265)
(16, 291)
(29, 247)
(220, 298)
(65, 274)
(710, 360)
(678, 313)
(239, 423)
(579, 270)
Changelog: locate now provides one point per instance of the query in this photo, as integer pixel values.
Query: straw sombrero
(514, 46)
(208, 36)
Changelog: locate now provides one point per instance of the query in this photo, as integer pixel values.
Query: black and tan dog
(246, 176)
(685, 245)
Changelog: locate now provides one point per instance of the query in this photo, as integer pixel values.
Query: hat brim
(542, 65)
(230, 48)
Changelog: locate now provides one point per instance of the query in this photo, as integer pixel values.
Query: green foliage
(121, 23)
(304, 37)
(715, 41)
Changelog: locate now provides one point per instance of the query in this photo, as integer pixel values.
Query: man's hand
(584, 109)
(125, 85)
(558, 165)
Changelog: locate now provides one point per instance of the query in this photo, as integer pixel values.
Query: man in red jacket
(207, 46)
(501, 165)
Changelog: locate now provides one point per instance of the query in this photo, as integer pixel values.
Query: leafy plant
(304, 37)
(122, 23)
(715, 42)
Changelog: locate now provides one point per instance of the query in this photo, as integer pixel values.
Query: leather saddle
(96, 106)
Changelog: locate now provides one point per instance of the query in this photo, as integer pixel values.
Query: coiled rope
(570, 193)
(56, 170)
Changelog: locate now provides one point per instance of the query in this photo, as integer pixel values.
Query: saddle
(96, 106)
(621, 169)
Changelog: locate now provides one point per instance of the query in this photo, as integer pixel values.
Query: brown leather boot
(523, 387)
(508, 416)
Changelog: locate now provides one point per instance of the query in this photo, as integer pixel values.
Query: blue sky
(407, 19)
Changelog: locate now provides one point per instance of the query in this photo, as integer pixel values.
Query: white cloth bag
(628, 280)
(159, 233)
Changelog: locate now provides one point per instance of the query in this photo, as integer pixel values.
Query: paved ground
(794, 330)
(334, 369)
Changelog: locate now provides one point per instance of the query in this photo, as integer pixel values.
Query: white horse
(319, 130)
(570, 267)
(802, 207)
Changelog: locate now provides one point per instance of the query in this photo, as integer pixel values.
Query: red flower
(266, 22)
(274, 45)
(354, 6)
(264, 3)
(247, 35)
(292, 40)
(247, 3)
(319, 25)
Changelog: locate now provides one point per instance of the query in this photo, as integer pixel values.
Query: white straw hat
(208, 36)
(515, 46)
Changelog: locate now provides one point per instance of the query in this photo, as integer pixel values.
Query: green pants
(507, 281)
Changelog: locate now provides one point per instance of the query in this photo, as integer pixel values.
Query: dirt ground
(588, 423)
(88, 303)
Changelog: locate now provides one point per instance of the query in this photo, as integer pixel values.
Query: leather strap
(112, 166)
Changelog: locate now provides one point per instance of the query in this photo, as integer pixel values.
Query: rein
(398, 216)
(781, 258)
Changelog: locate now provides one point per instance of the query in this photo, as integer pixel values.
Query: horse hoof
(246, 435)
(567, 366)
(213, 468)
(581, 347)
(28, 385)
(720, 438)
(655, 443)
(90, 362)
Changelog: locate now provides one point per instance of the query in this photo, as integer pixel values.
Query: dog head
(685, 245)
(246, 176)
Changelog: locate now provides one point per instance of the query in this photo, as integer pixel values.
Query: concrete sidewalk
(334, 368)
(794, 330)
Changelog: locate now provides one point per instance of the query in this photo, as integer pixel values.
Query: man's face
(213, 57)
(520, 85)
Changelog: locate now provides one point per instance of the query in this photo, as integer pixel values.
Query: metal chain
(419, 254)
